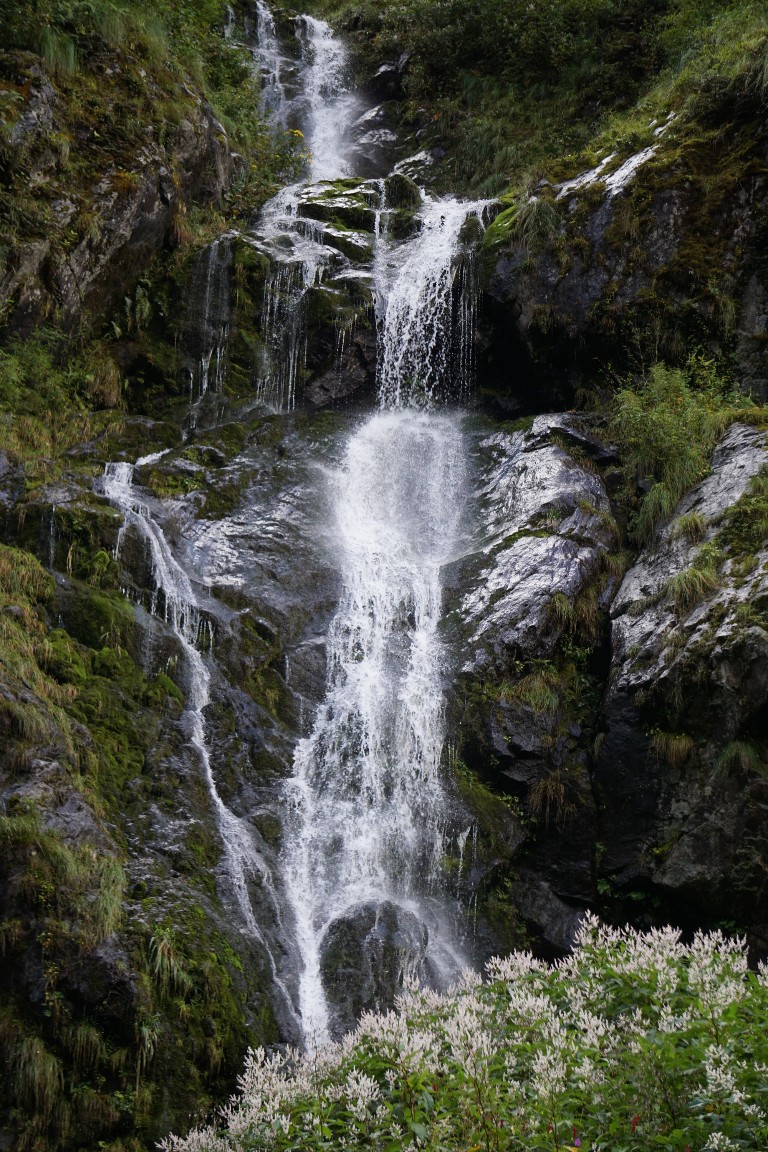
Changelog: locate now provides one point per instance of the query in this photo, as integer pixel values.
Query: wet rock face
(681, 765)
(131, 224)
(623, 277)
(532, 609)
(549, 522)
(367, 954)
(626, 716)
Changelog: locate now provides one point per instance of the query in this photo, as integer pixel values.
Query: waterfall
(293, 243)
(369, 819)
(368, 807)
(174, 600)
(369, 814)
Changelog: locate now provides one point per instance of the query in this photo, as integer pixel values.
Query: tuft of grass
(66, 883)
(579, 616)
(674, 748)
(741, 756)
(37, 1079)
(551, 797)
(688, 588)
(538, 690)
(86, 1044)
(148, 1033)
(534, 222)
(691, 527)
(58, 51)
(165, 964)
(666, 429)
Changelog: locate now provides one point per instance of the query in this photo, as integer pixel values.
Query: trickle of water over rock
(174, 600)
(270, 59)
(209, 315)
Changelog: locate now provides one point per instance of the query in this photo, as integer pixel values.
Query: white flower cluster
(634, 1026)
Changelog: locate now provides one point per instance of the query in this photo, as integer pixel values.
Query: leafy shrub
(634, 1041)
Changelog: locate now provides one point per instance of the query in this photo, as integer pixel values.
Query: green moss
(65, 660)
(223, 497)
(95, 617)
(494, 811)
(161, 690)
(745, 528)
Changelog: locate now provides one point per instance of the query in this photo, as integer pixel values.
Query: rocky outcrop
(638, 756)
(532, 627)
(98, 239)
(367, 955)
(614, 265)
(548, 519)
(681, 769)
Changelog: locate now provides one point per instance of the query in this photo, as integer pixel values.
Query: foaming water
(368, 810)
(427, 308)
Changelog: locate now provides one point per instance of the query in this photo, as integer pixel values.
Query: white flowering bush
(634, 1042)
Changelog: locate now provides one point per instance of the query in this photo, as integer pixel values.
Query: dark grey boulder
(367, 954)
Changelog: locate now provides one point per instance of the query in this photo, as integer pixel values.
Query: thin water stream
(174, 601)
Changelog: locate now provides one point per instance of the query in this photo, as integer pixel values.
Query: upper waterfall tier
(358, 243)
(427, 310)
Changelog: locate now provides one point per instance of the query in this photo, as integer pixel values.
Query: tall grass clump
(666, 427)
(636, 1040)
(673, 748)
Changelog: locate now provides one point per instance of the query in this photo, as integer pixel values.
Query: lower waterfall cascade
(369, 810)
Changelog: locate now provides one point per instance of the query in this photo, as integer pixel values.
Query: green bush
(634, 1041)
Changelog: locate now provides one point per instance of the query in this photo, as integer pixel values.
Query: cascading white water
(427, 310)
(368, 811)
(368, 817)
(368, 807)
(331, 107)
(326, 111)
(174, 600)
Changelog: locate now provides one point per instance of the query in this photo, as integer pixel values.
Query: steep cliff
(164, 624)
